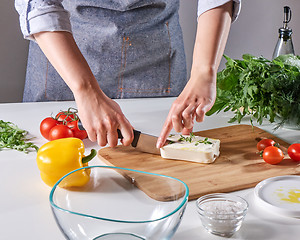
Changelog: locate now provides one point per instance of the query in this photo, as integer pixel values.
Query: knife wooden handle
(135, 139)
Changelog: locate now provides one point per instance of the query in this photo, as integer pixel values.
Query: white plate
(280, 195)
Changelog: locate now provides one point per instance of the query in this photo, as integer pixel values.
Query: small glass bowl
(118, 203)
(222, 214)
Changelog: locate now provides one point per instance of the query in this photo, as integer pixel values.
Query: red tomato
(294, 151)
(273, 155)
(63, 116)
(60, 131)
(46, 125)
(81, 134)
(262, 144)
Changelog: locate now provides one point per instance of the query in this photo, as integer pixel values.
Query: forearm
(212, 33)
(100, 115)
(198, 96)
(63, 53)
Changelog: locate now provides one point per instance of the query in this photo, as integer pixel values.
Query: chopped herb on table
(260, 88)
(12, 137)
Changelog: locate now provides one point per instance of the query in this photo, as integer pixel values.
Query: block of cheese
(191, 148)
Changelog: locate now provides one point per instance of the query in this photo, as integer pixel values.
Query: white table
(24, 206)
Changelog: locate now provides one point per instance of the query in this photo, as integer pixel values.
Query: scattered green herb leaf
(12, 137)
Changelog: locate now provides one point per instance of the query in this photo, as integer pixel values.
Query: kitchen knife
(141, 141)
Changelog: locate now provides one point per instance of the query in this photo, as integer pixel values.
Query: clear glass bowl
(119, 203)
(222, 214)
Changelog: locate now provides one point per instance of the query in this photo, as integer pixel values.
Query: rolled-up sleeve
(42, 15)
(205, 5)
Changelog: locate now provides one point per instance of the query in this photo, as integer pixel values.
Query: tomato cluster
(63, 125)
(272, 153)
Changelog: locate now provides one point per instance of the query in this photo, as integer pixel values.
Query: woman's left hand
(195, 100)
(199, 94)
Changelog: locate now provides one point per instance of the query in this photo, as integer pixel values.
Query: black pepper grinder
(284, 43)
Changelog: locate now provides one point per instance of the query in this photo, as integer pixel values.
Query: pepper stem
(90, 156)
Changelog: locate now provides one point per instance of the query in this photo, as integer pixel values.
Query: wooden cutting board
(238, 166)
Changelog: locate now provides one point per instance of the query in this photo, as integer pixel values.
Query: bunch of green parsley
(260, 88)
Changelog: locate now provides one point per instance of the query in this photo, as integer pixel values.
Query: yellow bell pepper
(59, 157)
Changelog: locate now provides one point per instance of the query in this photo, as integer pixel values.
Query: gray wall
(13, 54)
(255, 32)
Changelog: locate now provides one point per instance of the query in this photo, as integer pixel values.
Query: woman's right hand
(101, 117)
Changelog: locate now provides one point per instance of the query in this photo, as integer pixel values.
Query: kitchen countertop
(25, 209)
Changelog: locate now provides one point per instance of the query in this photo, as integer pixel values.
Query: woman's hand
(200, 92)
(195, 100)
(101, 117)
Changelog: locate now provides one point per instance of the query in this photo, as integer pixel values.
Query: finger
(187, 131)
(177, 122)
(200, 113)
(112, 138)
(102, 138)
(175, 114)
(92, 135)
(188, 117)
(127, 133)
(165, 132)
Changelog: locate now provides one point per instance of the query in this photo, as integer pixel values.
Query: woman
(107, 49)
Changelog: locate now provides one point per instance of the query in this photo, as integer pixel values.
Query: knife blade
(141, 141)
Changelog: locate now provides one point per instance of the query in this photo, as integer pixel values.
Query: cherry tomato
(273, 155)
(81, 134)
(262, 144)
(60, 131)
(294, 151)
(64, 117)
(46, 125)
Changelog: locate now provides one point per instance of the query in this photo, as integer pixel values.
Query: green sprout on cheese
(186, 139)
(204, 141)
(190, 139)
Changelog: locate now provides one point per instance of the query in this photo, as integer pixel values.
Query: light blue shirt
(50, 15)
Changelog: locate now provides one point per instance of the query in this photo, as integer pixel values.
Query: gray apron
(134, 48)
